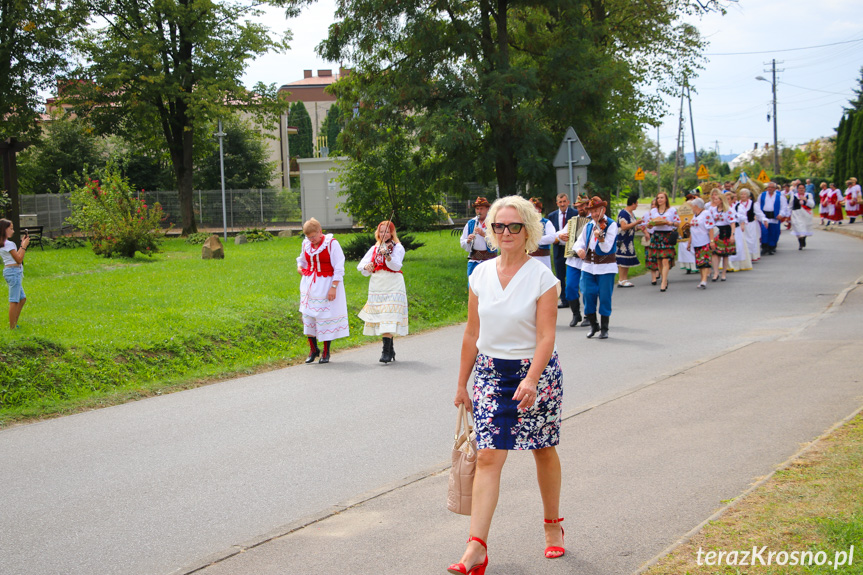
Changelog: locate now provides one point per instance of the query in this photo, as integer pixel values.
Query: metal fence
(266, 208)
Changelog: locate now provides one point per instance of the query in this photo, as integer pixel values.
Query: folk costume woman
(834, 200)
(853, 200)
(626, 254)
(474, 236)
(701, 235)
(662, 221)
(725, 220)
(752, 230)
(386, 309)
(801, 215)
(322, 293)
(685, 256)
(543, 252)
(740, 261)
(509, 345)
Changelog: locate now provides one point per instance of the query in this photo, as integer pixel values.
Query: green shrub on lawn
(116, 222)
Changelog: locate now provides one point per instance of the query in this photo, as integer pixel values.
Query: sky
(729, 106)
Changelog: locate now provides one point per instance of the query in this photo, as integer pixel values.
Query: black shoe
(576, 313)
(314, 352)
(562, 304)
(388, 354)
(603, 330)
(325, 358)
(594, 325)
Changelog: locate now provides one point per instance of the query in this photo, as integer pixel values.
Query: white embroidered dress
(324, 319)
(386, 309)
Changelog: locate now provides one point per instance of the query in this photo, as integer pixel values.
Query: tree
(496, 84)
(34, 38)
(246, 161)
(171, 67)
(332, 127)
(300, 144)
(67, 146)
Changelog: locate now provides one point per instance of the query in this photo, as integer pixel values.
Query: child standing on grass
(13, 270)
(386, 310)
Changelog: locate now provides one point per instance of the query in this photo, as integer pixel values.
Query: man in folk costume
(473, 237)
(559, 219)
(597, 246)
(771, 209)
(322, 292)
(573, 263)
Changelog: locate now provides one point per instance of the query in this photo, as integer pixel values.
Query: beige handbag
(463, 464)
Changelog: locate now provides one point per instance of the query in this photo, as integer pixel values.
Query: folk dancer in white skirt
(543, 252)
(473, 237)
(752, 232)
(834, 200)
(741, 261)
(725, 220)
(853, 200)
(508, 344)
(801, 203)
(685, 254)
(386, 309)
(322, 292)
(701, 235)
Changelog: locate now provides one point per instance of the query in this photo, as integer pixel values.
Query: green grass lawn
(99, 331)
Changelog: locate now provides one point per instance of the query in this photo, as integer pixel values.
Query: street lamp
(775, 138)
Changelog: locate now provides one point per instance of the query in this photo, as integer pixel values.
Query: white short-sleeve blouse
(507, 317)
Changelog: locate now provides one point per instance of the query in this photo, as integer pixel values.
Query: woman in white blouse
(386, 311)
(509, 345)
(725, 220)
(662, 220)
(701, 238)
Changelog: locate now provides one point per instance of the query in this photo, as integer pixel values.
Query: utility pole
(678, 149)
(692, 126)
(773, 71)
(658, 162)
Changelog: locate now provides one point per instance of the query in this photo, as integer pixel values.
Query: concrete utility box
(28, 220)
(320, 192)
(571, 164)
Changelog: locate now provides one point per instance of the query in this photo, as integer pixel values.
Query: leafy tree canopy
(158, 71)
(300, 144)
(247, 164)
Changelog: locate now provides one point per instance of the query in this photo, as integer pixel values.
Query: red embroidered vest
(319, 264)
(381, 262)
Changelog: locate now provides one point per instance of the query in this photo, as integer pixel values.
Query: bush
(198, 238)
(116, 222)
(257, 235)
(63, 242)
(359, 244)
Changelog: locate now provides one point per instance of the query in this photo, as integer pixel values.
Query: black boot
(603, 330)
(594, 325)
(314, 351)
(576, 314)
(388, 354)
(392, 349)
(800, 243)
(325, 358)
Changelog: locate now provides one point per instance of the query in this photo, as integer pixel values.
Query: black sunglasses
(513, 228)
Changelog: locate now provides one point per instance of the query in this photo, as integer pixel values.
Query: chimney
(307, 74)
(755, 146)
(325, 73)
(344, 72)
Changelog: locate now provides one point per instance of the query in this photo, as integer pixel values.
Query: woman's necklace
(506, 275)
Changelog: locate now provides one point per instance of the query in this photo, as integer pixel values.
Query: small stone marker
(240, 239)
(213, 249)
(286, 234)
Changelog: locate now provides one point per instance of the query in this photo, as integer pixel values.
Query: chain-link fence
(267, 208)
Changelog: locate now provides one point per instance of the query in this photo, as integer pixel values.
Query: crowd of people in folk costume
(727, 230)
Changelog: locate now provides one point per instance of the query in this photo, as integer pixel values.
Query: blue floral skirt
(499, 422)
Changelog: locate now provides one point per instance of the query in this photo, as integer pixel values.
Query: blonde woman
(725, 220)
(509, 345)
(322, 293)
(386, 309)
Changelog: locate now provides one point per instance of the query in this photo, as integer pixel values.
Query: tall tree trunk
(502, 127)
(184, 181)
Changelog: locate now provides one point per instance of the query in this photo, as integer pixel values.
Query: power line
(783, 50)
(815, 90)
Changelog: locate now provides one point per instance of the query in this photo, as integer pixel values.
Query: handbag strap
(462, 421)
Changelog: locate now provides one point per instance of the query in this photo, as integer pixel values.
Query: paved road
(159, 485)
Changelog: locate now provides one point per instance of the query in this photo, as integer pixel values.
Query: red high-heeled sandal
(460, 569)
(553, 552)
